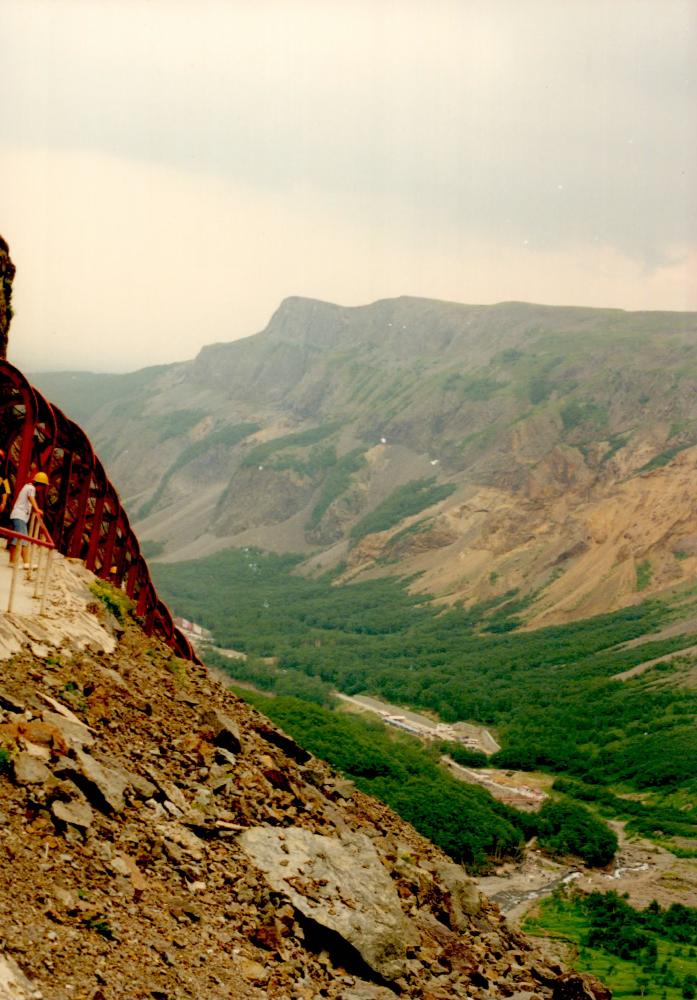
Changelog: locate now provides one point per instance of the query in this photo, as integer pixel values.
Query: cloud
(471, 113)
(122, 263)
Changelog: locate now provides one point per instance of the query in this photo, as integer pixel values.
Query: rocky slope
(160, 839)
(557, 445)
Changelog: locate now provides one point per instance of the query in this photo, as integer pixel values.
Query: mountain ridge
(544, 410)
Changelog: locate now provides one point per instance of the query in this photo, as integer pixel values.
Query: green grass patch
(477, 388)
(644, 573)
(637, 953)
(174, 424)
(664, 457)
(301, 439)
(576, 413)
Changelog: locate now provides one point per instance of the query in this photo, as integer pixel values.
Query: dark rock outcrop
(7, 273)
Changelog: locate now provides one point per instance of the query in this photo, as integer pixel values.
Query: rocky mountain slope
(160, 839)
(547, 451)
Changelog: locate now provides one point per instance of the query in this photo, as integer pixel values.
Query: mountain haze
(547, 451)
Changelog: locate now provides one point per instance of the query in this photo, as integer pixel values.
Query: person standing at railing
(21, 512)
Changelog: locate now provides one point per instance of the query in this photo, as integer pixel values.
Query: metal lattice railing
(83, 516)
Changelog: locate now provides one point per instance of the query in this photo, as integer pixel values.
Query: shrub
(565, 828)
(114, 600)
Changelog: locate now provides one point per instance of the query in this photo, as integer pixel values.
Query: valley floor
(641, 869)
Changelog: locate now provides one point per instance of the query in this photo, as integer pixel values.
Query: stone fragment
(104, 786)
(60, 709)
(313, 775)
(143, 788)
(28, 770)
(225, 730)
(126, 866)
(9, 703)
(76, 813)
(369, 991)
(182, 837)
(14, 985)
(250, 970)
(465, 898)
(339, 884)
(284, 742)
(75, 734)
(579, 986)
(184, 907)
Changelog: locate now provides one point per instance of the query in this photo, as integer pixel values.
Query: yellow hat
(41, 477)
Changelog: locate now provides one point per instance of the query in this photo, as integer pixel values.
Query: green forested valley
(550, 694)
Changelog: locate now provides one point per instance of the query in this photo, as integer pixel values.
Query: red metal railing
(82, 511)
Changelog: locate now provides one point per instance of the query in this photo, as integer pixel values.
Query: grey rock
(343, 788)
(75, 734)
(284, 742)
(28, 770)
(14, 985)
(465, 898)
(225, 730)
(75, 813)
(225, 756)
(143, 788)
(340, 884)
(104, 786)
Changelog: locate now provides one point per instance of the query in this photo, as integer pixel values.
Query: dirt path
(475, 737)
(515, 788)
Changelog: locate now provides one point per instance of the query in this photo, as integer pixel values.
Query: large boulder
(339, 884)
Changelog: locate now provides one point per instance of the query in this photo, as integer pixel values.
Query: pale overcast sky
(171, 169)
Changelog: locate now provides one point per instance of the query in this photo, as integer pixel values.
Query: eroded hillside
(543, 451)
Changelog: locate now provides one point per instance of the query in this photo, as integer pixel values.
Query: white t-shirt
(22, 508)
